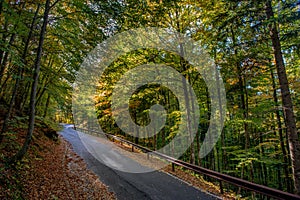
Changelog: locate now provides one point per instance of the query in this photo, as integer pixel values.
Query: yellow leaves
(235, 107)
(107, 112)
(232, 81)
(102, 104)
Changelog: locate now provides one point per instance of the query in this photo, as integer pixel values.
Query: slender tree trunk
(1, 5)
(198, 148)
(223, 151)
(47, 105)
(11, 41)
(243, 104)
(154, 140)
(281, 139)
(293, 139)
(5, 58)
(18, 79)
(20, 86)
(37, 66)
(263, 165)
(197, 155)
(185, 90)
(45, 80)
(136, 137)
(12, 100)
(188, 109)
(25, 96)
(208, 107)
(4, 38)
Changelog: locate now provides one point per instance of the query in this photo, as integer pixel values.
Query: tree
(37, 66)
(287, 103)
(20, 74)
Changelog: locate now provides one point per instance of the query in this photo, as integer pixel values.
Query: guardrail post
(132, 148)
(221, 187)
(173, 167)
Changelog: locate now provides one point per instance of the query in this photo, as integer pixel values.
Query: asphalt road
(152, 185)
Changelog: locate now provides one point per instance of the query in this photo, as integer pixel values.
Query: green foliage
(235, 33)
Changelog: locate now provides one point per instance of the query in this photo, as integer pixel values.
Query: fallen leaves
(63, 175)
(50, 170)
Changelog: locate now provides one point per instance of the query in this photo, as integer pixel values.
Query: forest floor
(50, 169)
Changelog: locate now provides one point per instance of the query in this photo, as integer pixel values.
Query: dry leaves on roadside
(61, 174)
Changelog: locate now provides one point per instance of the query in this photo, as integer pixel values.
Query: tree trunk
(37, 67)
(293, 139)
(5, 58)
(47, 105)
(25, 95)
(11, 41)
(20, 87)
(18, 79)
(279, 125)
(1, 5)
(4, 38)
(243, 104)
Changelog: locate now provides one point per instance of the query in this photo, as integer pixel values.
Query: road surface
(136, 186)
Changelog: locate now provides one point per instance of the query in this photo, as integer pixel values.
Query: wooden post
(221, 187)
(173, 167)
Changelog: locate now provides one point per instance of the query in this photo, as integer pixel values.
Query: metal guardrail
(267, 191)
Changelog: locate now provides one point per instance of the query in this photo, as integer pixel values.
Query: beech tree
(287, 103)
(36, 67)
